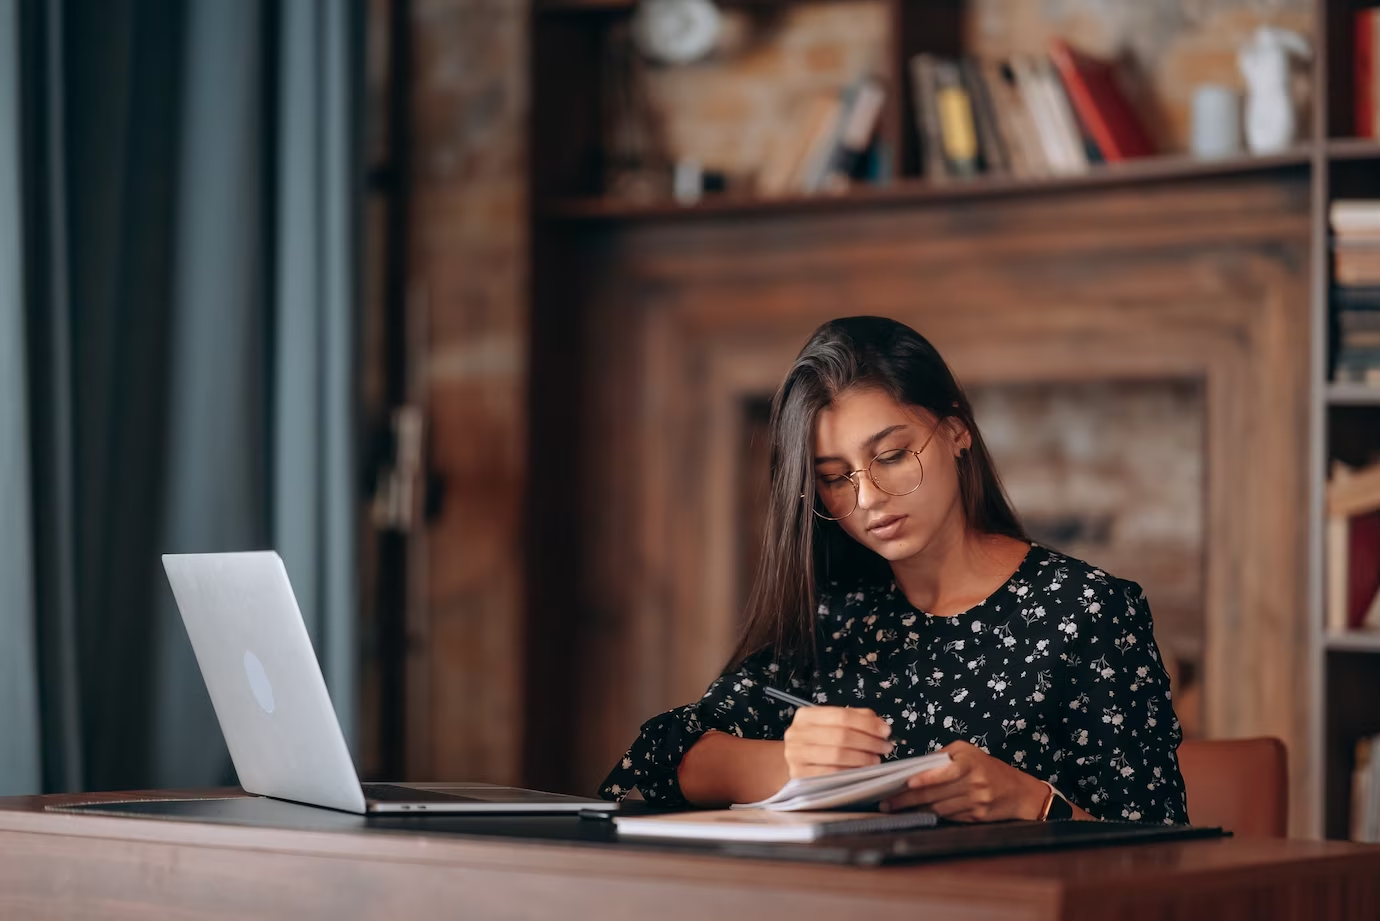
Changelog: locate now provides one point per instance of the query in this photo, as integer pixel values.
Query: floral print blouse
(1056, 673)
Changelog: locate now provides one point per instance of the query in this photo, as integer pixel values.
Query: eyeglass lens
(896, 473)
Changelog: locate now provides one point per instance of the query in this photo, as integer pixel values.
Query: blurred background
(473, 310)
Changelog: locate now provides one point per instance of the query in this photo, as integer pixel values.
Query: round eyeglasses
(898, 472)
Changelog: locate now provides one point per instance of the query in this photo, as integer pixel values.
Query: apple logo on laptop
(258, 681)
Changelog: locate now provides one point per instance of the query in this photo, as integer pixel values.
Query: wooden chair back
(1239, 784)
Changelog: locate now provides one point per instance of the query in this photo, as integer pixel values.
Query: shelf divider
(1353, 395)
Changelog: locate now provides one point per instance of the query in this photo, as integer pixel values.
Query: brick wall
(727, 110)
(1113, 472)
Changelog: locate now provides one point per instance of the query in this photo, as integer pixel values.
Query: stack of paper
(855, 787)
(760, 825)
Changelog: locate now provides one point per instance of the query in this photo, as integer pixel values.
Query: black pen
(786, 698)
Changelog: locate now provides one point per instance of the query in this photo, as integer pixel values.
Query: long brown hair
(798, 550)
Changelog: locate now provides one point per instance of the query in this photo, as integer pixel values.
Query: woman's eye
(892, 457)
(832, 481)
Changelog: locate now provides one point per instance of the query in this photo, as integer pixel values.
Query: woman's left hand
(973, 787)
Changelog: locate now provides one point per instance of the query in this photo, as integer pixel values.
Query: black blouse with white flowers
(1056, 672)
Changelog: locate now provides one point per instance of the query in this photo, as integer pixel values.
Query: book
(1354, 217)
(1371, 620)
(1363, 567)
(1357, 298)
(855, 787)
(1367, 44)
(1357, 366)
(766, 826)
(1102, 108)
(991, 148)
(862, 111)
(1059, 151)
(1066, 124)
(819, 147)
(1357, 313)
(1352, 546)
(956, 128)
(1365, 791)
(782, 167)
(925, 98)
(1014, 121)
(1356, 264)
(1359, 329)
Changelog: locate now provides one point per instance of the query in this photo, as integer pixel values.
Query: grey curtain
(19, 734)
(190, 191)
(314, 450)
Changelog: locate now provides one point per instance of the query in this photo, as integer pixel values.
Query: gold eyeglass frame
(857, 488)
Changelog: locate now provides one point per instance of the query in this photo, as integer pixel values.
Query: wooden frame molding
(685, 321)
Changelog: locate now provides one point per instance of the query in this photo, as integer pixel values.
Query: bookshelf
(1346, 419)
(1343, 419)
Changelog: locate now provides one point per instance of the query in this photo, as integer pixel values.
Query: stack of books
(829, 149)
(1353, 548)
(1358, 335)
(1028, 116)
(1365, 791)
(1356, 269)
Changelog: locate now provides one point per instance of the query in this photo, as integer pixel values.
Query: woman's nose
(869, 495)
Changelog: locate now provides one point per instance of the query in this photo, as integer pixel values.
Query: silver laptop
(269, 696)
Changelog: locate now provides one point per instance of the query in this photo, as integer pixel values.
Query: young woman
(898, 592)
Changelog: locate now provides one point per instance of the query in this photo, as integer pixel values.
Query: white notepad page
(852, 787)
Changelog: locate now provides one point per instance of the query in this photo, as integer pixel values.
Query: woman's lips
(886, 528)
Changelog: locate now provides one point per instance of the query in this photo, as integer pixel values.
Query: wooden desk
(63, 865)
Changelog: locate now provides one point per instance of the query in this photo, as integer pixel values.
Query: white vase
(1271, 123)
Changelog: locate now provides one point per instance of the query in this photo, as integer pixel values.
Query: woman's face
(866, 423)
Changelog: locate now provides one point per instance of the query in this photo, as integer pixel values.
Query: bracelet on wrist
(1056, 806)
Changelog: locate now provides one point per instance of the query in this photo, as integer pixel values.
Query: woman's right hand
(822, 740)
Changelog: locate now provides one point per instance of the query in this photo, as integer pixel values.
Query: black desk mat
(941, 842)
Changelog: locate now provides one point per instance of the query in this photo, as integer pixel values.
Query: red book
(1101, 106)
(1365, 73)
(1363, 578)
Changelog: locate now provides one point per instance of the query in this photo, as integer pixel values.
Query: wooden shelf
(1352, 149)
(1354, 641)
(627, 6)
(1353, 395)
(904, 191)
(585, 6)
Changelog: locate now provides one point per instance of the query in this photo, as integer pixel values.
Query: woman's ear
(959, 436)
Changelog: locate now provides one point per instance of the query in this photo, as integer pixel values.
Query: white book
(1351, 215)
(1037, 104)
(1373, 799)
(854, 787)
(1066, 123)
(1337, 550)
(766, 826)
